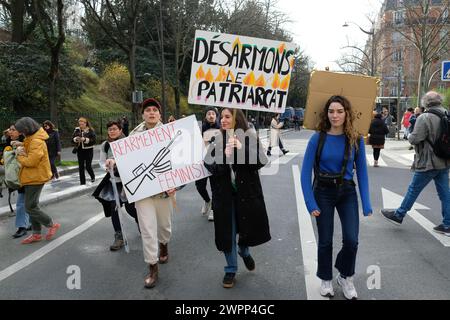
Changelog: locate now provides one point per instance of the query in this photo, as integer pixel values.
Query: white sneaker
(211, 216)
(206, 207)
(348, 288)
(326, 289)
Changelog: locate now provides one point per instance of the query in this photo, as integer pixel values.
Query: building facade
(398, 59)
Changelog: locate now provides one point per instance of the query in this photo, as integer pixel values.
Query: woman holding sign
(104, 191)
(238, 200)
(331, 153)
(154, 213)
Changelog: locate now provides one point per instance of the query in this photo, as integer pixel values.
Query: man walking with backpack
(431, 161)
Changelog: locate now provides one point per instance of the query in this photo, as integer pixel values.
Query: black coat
(110, 206)
(251, 214)
(53, 143)
(378, 131)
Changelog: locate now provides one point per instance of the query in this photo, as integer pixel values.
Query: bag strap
(322, 138)
(346, 156)
(441, 115)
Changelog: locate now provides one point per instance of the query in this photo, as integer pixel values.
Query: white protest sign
(240, 72)
(160, 159)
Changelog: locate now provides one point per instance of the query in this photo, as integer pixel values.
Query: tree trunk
(53, 76)
(420, 82)
(17, 19)
(132, 71)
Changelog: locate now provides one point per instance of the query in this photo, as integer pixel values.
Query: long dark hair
(324, 124)
(49, 124)
(240, 122)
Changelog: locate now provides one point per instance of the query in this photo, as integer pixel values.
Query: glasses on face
(112, 129)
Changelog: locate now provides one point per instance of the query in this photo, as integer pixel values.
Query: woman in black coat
(238, 200)
(53, 146)
(378, 131)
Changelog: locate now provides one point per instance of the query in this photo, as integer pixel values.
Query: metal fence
(69, 120)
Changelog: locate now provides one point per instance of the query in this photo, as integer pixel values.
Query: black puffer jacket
(378, 130)
(251, 214)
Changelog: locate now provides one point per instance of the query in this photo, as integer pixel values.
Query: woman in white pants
(154, 213)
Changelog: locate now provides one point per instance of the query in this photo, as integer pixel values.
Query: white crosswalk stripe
(381, 163)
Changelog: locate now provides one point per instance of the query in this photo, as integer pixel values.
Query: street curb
(74, 169)
(55, 197)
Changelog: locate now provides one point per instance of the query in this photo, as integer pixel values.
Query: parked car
(288, 117)
(300, 114)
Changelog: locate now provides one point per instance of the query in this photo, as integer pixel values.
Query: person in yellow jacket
(34, 173)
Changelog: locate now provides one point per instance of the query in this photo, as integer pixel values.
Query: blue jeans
(419, 182)
(231, 257)
(345, 200)
(22, 217)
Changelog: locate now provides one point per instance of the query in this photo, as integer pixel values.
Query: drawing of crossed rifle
(159, 165)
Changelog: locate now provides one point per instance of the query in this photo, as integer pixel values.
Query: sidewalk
(394, 144)
(68, 185)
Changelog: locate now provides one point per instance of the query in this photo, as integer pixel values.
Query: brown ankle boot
(163, 253)
(152, 277)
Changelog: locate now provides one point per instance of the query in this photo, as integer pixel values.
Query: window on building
(397, 56)
(444, 34)
(394, 90)
(445, 14)
(396, 38)
(399, 17)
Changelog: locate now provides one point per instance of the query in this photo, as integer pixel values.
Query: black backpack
(441, 146)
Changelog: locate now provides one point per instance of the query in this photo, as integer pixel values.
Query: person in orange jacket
(34, 173)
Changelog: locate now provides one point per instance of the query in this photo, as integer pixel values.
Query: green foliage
(298, 88)
(93, 100)
(115, 82)
(25, 77)
(446, 94)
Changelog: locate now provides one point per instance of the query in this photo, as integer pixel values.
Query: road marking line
(397, 158)
(9, 271)
(381, 163)
(409, 157)
(393, 200)
(284, 159)
(308, 242)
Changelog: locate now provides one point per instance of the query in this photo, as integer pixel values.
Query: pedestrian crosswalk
(371, 162)
(400, 159)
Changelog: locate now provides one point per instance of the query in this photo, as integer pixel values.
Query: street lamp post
(372, 34)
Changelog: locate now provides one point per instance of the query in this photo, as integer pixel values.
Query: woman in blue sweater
(331, 153)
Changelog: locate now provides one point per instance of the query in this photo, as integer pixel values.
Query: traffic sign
(445, 75)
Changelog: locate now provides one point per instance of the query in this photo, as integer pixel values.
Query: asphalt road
(407, 261)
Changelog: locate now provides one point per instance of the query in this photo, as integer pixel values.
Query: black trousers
(376, 153)
(110, 210)
(55, 173)
(280, 145)
(85, 161)
(201, 188)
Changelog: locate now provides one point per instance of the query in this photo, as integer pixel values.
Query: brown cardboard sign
(361, 91)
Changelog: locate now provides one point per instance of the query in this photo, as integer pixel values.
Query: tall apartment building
(397, 59)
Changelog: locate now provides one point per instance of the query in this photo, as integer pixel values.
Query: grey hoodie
(427, 126)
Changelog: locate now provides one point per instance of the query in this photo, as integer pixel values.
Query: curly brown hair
(324, 124)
